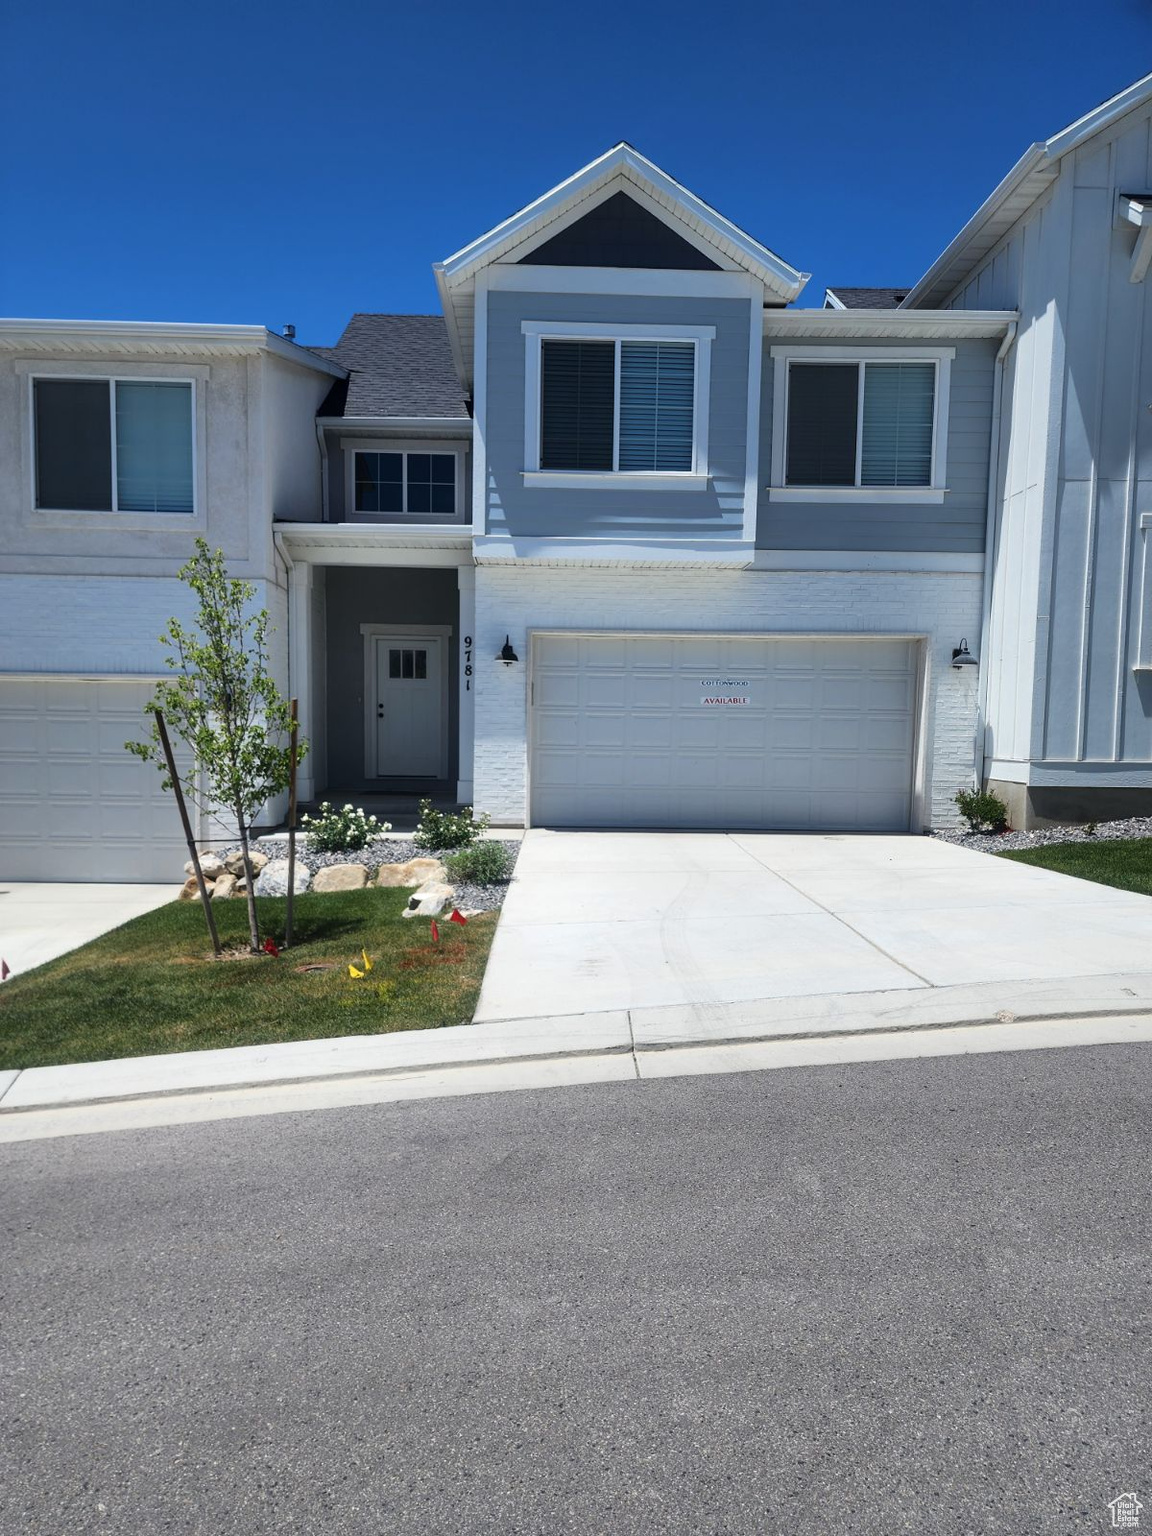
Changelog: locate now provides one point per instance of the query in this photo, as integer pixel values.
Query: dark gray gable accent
(620, 233)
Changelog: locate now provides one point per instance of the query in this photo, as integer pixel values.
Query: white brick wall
(515, 600)
(94, 625)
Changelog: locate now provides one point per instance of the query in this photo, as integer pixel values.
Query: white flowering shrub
(346, 830)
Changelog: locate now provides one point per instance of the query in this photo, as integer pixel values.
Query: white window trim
(351, 446)
(870, 495)
(537, 331)
(123, 517)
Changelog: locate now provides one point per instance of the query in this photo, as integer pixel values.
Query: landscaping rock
(340, 877)
(273, 879)
(429, 901)
(234, 862)
(190, 890)
(416, 872)
(223, 887)
(210, 863)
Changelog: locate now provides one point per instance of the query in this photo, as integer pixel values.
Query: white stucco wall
(943, 607)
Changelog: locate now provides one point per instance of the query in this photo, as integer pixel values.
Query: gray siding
(957, 524)
(715, 512)
(378, 595)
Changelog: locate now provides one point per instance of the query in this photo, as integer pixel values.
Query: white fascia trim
(621, 158)
(864, 495)
(626, 332)
(174, 336)
(864, 562)
(1036, 169)
(375, 544)
(501, 549)
(445, 426)
(479, 405)
(889, 324)
(626, 281)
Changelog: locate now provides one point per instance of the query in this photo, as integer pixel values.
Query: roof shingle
(398, 365)
(865, 298)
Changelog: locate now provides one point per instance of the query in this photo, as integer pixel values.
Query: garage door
(73, 804)
(695, 731)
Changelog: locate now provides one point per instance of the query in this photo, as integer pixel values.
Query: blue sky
(273, 162)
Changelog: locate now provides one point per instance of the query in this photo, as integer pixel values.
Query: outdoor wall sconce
(963, 657)
(506, 654)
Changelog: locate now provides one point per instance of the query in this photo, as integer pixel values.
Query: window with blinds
(114, 445)
(860, 424)
(626, 406)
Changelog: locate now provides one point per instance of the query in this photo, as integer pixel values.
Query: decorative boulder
(273, 879)
(224, 886)
(210, 863)
(429, 901)
(189, 891)
(340, 877)
(416, 872)
(234, 863)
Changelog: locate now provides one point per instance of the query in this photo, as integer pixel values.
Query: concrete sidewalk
(633, 1033)
(40, 921)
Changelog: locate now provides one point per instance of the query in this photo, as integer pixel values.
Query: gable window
(618, 407)
(113, 445)
(403, 482)
(867, 426)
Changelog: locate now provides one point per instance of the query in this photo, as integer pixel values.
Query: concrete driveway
(39, 921)
(614, 920)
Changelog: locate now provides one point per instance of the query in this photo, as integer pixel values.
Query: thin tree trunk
(291, 832)
(249, 883)
(193, 851)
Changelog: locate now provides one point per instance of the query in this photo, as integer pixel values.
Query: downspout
(991, 532)
(322, 440)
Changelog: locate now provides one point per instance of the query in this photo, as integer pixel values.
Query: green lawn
(153, 986)
(1125, 862)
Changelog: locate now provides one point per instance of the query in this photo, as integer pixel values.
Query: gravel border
(394, 850)
(1009, 842)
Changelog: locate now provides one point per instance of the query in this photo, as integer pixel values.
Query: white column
(300, 663)
(466, 582)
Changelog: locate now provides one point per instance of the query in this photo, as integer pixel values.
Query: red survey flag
(458, 917)
(435, 931)
(4, 971)
(271, 947)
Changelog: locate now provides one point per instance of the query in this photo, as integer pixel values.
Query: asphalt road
(911, 1296)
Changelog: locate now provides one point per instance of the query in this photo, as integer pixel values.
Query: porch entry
(406, 729)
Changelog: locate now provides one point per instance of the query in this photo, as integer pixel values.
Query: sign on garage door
(703, 731)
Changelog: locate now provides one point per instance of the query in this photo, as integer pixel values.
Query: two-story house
(622, 538)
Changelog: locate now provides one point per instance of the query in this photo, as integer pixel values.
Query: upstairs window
(114, 445)
(626, 406)
(861, 424)
(404, 484)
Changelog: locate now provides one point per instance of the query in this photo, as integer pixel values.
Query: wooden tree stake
(291, 830)
(178, 791)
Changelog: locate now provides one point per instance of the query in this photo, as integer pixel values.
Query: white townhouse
(621, 538)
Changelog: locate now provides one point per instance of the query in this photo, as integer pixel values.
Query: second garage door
(700, 731)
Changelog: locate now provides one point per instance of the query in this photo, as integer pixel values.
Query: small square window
(404, 484)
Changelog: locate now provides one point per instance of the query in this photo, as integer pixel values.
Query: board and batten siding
(715, 512)
(955, 525)
(1071, 593)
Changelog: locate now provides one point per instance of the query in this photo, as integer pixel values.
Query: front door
(409, 707)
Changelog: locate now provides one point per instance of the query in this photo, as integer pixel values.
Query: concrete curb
(636, 1032)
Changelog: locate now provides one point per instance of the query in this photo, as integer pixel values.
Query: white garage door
(697, 731)
(73, 804)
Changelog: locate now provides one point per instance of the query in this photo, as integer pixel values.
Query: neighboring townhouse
(622, 538)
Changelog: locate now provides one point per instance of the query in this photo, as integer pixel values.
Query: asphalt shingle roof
(399, 365)
(870, 298)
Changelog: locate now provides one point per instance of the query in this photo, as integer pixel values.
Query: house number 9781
(467, 663)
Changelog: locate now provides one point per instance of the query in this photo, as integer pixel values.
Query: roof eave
(174, 336)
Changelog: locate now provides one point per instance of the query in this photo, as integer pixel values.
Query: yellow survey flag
(367, 962)
(352, 971)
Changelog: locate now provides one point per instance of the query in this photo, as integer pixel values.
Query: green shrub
(982, 810)
(335, 831)
(1089, 829)
(481, 864)
(447, 829)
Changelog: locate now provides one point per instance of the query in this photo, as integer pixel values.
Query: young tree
(224, 705)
